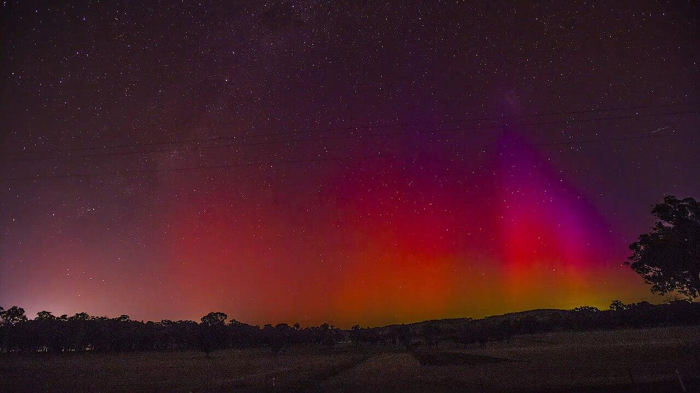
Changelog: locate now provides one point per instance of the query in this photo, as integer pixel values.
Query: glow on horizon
(404, 243)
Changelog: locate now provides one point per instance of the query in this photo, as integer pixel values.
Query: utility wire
(346, 137)
(131, 173)
(137, 172)
(351, 128)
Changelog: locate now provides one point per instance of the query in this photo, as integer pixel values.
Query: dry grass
(536, 362)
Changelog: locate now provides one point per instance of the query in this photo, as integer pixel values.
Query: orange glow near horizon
(399, 245)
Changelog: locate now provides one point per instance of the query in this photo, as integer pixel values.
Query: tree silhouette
(668, 257)
(214, 319)
(45, 316)
(617, 305)
(212, 332)
(81, 316)
(123, 318)
(586, 309)
(277, 337)
(356, 334)
(13, 315)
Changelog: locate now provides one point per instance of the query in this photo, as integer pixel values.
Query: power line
(125, 173)
(353, 128)
(139, 172)
(620, 139)
(346, 137)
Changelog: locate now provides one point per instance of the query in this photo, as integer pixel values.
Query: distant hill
(539, 314)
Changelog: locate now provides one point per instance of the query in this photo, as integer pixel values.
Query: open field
(620, 360)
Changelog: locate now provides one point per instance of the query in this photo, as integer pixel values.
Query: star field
(342, 162)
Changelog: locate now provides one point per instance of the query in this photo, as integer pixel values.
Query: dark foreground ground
(630, 360)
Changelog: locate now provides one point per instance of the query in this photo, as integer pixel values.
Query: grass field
(621, 360)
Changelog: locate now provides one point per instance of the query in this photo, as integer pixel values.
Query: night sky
(367, 162)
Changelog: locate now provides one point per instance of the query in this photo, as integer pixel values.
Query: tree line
(82, 332)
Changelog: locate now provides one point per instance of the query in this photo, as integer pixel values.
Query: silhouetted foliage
(668, 257)
(586, 309)
(356, 334)
(82, 332)
(212, 332)
(13, 316)
(617, 305)
(360, 335)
